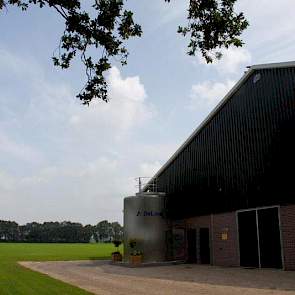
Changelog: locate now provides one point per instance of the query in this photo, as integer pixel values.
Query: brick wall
(224, 244)
(288, 235)
(225, 240)
(200, 221)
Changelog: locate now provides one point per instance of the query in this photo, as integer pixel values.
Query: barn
(229, 189)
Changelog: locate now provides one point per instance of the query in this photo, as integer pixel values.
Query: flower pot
(116, 257)
(135, 259)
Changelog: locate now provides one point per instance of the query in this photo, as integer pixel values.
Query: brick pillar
(287, 216)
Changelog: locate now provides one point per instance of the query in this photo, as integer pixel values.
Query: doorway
(269, 238)
(259, 238)
(249, 256)
(192, 245)
(204, 246)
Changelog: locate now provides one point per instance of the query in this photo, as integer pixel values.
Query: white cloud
(205, 95)
(78, 191)
(270, 36)
(149, 169)
(173, 11)
(6, 182)
(232, 61)
(18, 65)
(18, 150)
(88, 156)
(126, 109)
(269, 20)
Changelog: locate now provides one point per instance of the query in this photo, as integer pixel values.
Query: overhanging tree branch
(212, 25)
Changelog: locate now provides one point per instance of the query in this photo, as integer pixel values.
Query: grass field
(16, 280)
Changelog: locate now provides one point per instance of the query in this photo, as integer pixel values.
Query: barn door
(259, 238)
(269, 238)
(248, 239)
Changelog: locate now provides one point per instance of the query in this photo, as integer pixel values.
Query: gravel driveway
(99, 277)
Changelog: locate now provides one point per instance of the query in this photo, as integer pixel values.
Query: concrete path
(99, 277)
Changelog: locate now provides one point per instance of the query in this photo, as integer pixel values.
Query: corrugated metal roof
(250, 70)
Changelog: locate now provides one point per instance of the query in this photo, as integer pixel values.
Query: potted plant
(117, 256)
(135, 255)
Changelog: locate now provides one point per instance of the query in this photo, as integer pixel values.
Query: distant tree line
(60, 232)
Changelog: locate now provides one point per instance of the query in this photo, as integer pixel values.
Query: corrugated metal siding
(243, 157)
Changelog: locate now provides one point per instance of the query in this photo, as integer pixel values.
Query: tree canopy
(106, 26)
(60, 232)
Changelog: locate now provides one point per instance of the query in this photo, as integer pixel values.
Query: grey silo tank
(144, 221)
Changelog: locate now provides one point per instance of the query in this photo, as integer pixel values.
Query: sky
(60, 160)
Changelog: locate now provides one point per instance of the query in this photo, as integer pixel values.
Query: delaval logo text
(150, 213)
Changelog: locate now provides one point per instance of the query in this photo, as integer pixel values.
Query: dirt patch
(99, 277)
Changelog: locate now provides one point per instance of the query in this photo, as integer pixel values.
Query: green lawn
(15, 280)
